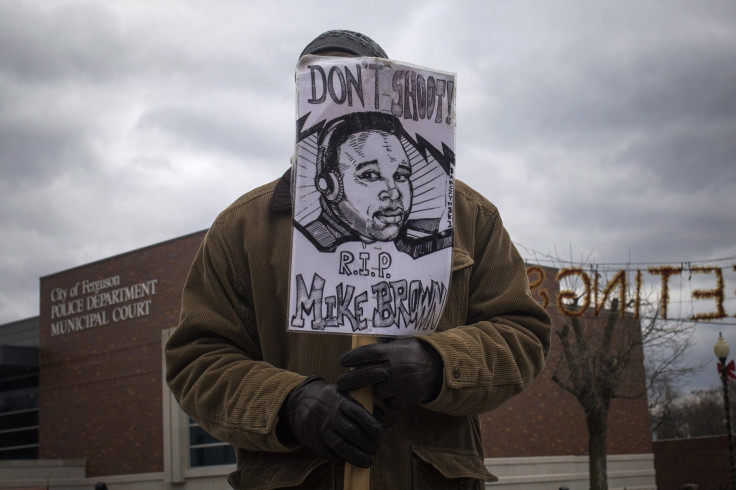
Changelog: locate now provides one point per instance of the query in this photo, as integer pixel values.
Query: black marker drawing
(373, 188)
(375, 184)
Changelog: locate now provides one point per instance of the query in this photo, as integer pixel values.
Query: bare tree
(663, 399)
(593, 371)
(696, 415)
(665, 345)
(604, 346)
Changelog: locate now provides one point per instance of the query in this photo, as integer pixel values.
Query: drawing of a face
(375, 173)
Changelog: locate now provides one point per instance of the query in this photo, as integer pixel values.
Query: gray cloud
(240, 134)
(38, 149)
(51, 45)
(605, 128)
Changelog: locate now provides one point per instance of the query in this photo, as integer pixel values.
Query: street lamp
(721, 350)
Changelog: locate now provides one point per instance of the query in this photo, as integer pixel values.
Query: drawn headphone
(328, 180)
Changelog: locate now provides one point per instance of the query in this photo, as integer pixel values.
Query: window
(205, 450)
(189, 451)
(19, 415)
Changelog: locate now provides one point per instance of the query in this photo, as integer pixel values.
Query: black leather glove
(403, 371)
(330, 423)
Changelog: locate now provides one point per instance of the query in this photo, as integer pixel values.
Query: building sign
(90, 304)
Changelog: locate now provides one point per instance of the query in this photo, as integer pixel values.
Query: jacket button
(264, 422)
(456, 372)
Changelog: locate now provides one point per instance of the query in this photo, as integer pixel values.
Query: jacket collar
(280, 202)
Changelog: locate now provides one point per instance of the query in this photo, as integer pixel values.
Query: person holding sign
(367, 234)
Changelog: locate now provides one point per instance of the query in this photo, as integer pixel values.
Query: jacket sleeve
(505, 343)
(213, 358)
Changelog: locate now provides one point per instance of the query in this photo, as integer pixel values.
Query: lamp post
(721, 350)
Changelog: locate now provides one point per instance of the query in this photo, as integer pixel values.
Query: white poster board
(373, 185)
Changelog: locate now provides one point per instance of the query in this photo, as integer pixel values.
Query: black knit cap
(348, 41)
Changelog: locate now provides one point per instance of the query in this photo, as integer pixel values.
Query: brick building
(105, 414)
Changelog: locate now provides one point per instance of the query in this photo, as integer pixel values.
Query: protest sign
(373, 184)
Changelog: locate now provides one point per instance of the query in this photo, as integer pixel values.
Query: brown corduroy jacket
(231, 361)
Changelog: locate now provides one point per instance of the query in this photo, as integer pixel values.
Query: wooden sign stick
(360, 478)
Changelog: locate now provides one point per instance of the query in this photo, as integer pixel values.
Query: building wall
(100, 387)
(701, 461)
(545, 421)
(101, 393)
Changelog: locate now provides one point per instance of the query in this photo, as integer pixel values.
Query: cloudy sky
(604, 131)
